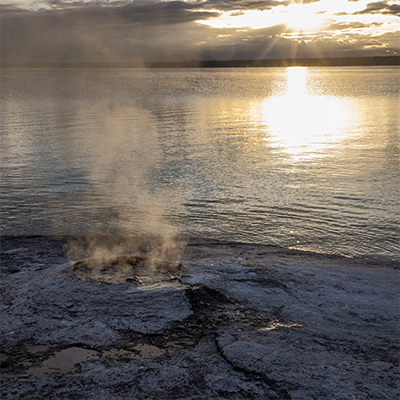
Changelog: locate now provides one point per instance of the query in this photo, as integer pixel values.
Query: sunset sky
(141, 30)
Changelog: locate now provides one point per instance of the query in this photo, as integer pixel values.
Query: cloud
(340, 26)
(170, 12)
(380, 7)
(163, 31)
(229, 5)
(234, 5)
(143, 12)
(133, 32)
(217, 5)
(10, 8)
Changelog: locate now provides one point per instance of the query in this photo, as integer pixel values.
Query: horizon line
(284, 62)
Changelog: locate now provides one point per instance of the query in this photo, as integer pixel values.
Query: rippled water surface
(305, 158)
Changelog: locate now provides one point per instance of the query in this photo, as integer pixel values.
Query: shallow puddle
(63, 362)
(66, 361)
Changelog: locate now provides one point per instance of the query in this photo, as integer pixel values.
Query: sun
(296, 16)
(302, 17)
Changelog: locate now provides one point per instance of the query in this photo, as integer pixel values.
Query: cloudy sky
(163, 30)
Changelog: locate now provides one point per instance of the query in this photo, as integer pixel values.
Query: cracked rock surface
(242, 321)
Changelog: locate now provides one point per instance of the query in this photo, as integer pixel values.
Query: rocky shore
(230, 321)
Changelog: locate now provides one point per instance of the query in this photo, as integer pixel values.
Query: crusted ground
(238, 321)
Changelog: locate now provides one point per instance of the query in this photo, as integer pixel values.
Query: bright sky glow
(302, 17)
(297, 16)
(307, 17)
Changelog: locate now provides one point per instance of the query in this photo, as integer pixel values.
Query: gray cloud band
(166, 31)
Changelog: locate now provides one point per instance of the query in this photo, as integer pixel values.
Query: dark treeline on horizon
(288, 62)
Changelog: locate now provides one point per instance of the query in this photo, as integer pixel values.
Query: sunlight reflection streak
(304, 125)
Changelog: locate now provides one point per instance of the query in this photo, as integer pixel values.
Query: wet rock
(235, 321)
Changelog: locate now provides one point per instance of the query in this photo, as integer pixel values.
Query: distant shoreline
(288, 62)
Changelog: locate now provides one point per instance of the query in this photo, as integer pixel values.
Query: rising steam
(123, 154)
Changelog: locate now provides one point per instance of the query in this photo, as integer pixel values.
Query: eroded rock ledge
(239, 321)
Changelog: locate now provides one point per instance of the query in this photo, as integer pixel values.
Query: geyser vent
(126, 269)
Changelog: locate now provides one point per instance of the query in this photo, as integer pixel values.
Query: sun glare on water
(304, 125)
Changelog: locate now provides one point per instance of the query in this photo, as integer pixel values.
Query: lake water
(304, 158)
